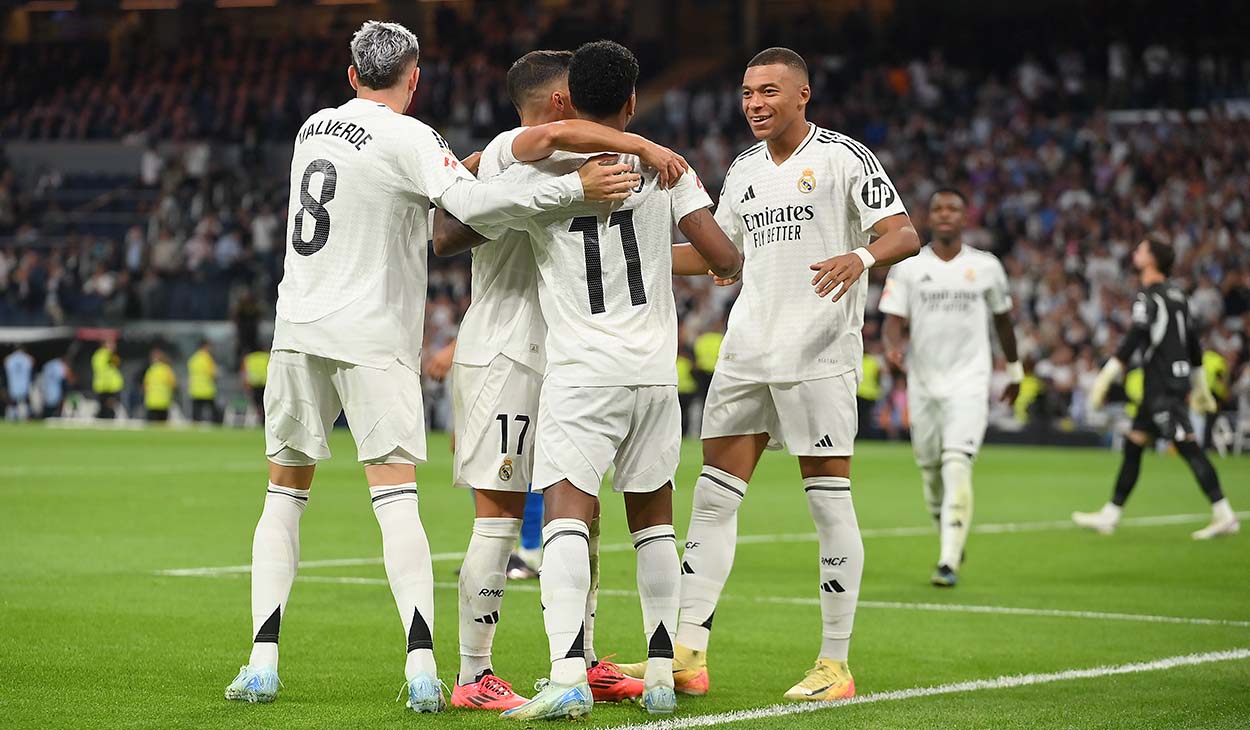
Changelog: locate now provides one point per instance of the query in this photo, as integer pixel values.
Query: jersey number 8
(315, 208)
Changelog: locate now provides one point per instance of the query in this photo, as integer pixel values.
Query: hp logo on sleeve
(877, 193)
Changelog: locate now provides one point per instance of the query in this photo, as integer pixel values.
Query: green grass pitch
(93, 635)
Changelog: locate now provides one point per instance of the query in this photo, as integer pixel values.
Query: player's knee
(714, 502)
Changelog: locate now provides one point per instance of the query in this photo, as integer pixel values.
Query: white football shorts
(305, 394)
(946, 423)
(582, 431)
(809, 418)
(495, 409)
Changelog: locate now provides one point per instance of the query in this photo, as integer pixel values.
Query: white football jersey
(504, 316)
(362, 181)
(820, 202)
(606, 278)
(948, 305)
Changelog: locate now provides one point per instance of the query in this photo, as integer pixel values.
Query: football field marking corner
(1006, 681)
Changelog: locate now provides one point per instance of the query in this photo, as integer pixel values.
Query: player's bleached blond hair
(381, 52)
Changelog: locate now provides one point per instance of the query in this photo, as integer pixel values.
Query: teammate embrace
(565, 364)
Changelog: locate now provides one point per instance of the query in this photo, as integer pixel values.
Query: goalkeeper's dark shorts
(1165, 416)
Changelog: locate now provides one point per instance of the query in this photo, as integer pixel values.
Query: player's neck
(782, 146)
(947, 250)
(1150, 277)
(615, 121)
(396, 101)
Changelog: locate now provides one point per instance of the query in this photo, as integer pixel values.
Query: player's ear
(805, 94)
(412, 80)
(352, 78)
(629, 107)
(557, 102)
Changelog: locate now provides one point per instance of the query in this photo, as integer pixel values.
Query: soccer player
(499, 359)
(1164, 336)
(348, 332)
(802, 199)
(609, 395)
(947, 295)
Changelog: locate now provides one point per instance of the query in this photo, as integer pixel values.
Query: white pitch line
(1007, 681)
(871, 532)
(514, 587)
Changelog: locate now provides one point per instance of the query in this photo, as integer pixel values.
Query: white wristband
(1015, 372)
(866, 256)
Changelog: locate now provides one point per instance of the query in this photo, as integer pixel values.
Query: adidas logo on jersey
(926, 279)
(749, 195)
(825, 443)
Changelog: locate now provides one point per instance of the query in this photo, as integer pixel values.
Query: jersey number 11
(588, 226)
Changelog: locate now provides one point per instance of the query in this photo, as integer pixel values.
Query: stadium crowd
(1059, 186)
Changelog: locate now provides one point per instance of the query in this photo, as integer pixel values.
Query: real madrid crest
(505, 470)
(807, 182)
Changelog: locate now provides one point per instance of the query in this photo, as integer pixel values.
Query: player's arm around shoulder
(581, 136)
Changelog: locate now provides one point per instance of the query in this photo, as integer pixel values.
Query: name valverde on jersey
(362, 178)
(820, 202)
(605, 278)
(949, 305)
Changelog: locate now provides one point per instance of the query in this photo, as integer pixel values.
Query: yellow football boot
(828, 680)
(689, 670)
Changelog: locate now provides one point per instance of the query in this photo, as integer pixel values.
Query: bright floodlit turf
(93, 635)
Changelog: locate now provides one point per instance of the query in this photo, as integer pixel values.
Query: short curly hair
(602, 76)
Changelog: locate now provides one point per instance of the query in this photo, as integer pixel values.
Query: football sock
(1200, 465)
(841, 560)
(659, 577)
(406, 555)
(592, 596)
(532, 524)
(956, 507)
(1130, 467)
(275, 557)
(1222, 511)
(931, 476)
(709, 553)
(565, 582)
(482, 582)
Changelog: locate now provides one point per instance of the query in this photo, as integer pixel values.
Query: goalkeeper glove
(1200, 397)
(1109, 374)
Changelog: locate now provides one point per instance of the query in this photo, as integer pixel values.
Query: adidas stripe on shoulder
(866, 158)
(752, 150)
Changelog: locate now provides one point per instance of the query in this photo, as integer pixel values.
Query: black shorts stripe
(721, 483)
(395, 493)
(562, 533)
(648, 540)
